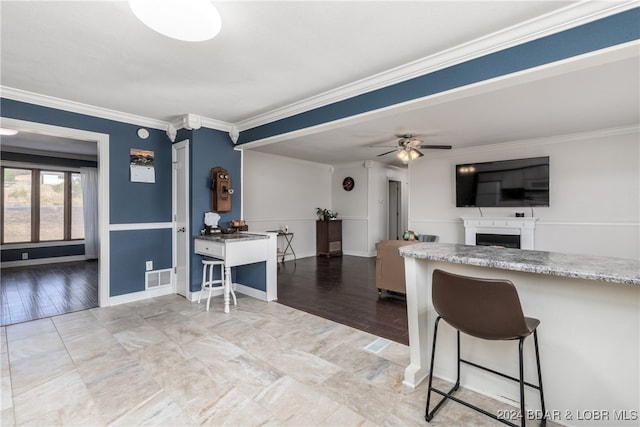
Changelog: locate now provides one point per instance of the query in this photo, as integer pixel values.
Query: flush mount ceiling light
(188, 20)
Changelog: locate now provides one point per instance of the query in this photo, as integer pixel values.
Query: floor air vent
(157, 278)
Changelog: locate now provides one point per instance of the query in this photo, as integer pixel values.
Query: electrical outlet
(25, 255)
(149, 265)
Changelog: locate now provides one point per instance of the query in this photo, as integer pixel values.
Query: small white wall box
(154, 279)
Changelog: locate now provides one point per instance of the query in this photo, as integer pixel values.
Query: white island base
(589, 342)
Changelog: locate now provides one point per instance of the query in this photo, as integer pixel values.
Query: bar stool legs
(449, 395)
(224, 283)
(228, 289)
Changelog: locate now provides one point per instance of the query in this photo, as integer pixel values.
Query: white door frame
(102, 141)
(187, 233)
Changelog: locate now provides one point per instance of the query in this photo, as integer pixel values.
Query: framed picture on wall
(141, 166)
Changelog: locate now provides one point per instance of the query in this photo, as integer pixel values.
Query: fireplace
(498, 240)
(511, 232)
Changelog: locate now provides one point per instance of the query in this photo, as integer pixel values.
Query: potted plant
(326, 214)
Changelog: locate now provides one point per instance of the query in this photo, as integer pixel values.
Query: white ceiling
(274, 55)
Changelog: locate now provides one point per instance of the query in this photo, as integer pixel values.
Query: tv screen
(505, 183)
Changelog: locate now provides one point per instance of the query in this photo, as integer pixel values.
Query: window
(41, 205)
(16, 200)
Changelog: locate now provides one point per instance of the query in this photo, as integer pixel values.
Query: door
(181, 251)
(395, 210)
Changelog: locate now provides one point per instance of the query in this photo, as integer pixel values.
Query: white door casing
(102, 141)
(181, 226)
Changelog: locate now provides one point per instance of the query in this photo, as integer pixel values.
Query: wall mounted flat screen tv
(505, 183)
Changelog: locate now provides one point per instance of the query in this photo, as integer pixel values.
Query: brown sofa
(390, 266)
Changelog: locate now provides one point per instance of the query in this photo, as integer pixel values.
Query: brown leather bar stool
(483, 308)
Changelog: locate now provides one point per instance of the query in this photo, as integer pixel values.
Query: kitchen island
(589, 309)
(239, 249)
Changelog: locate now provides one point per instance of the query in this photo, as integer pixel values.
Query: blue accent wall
(130, 202)
(129, 252)
(252, 275)
(210, 148)
(606, 32)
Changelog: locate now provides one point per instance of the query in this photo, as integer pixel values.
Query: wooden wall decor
(221, 190)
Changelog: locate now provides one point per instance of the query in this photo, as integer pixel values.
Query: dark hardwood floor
(35, 292)
(343, 289)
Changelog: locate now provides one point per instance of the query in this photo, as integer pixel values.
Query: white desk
(241, 249)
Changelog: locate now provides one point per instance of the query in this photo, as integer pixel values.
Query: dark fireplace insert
(499, 240)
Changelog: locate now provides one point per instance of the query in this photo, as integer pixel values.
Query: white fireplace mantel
(522, 226)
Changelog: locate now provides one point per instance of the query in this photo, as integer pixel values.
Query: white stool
(208, 282)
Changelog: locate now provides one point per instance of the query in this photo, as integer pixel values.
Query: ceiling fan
(408, 145)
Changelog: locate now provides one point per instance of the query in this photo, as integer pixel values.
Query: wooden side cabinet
(329, 238)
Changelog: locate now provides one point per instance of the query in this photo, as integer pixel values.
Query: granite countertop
(220, 237)
(590, 267)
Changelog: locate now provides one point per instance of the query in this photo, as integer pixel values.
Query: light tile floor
(167, 361)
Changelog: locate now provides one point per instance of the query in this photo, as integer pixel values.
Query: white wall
(279, 192)
(364, 210)
(352, 207)
(594, 193)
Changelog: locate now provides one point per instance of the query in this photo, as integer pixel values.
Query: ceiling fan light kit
(407, 149)
(187, 20)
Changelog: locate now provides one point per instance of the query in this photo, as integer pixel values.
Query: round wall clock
(348, 183)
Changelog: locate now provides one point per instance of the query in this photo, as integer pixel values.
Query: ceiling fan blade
(435, 147)
(388, 152)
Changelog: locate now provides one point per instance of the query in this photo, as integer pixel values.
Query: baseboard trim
(193, 296)
(238, 287)
(142, 295)
(39, 261)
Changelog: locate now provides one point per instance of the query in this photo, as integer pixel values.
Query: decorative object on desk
(239, 225)
(221, 190)
(228, 230)
(210, 222)
(348, 183)
(326, 214)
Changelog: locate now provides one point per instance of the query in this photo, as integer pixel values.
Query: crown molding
(372, 164)
(568, 17)
(104, 113)
(80, 108)
(548, 140)
(309, 163)
(551, 23)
